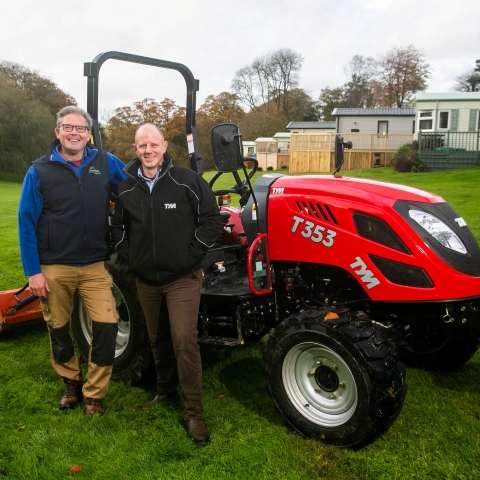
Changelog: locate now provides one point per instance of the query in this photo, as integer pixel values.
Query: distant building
(442, 112)
(248, 148)
(311, 127)
(380, 121)
(448, 129)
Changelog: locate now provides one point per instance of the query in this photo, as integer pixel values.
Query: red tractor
(348, 276)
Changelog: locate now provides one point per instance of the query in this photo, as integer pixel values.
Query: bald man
(165, 220)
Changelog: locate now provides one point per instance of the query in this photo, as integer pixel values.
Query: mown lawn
(437, 435)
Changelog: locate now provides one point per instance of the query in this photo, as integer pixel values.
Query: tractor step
(226, 341)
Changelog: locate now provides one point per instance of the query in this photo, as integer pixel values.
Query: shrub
(403, 164)
(406, 159)
(283, 167)
(270, 168)
(259, 169)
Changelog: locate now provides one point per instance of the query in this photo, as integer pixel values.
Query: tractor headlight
(438, 230)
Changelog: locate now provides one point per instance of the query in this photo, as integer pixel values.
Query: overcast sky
(214, 38)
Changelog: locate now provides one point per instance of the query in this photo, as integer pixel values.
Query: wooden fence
(314, 152)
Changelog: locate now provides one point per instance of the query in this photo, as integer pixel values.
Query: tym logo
(366, 275)
(277, 190)
(170, 205)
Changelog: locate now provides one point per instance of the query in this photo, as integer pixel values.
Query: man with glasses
(64, 241)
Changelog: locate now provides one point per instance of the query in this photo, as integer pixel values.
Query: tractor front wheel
(337, 380)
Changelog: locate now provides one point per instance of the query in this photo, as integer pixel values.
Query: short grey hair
(76, 111)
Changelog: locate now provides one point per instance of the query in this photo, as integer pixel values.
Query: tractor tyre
(438, 346)
(336, 380)
(132, 352)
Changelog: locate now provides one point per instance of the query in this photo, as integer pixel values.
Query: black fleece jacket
(164, 235)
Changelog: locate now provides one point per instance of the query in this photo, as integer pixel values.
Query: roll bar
(92, 70)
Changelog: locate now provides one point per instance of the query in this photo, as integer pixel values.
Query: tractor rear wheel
(132, 351)
(438, 346)
(337, 380)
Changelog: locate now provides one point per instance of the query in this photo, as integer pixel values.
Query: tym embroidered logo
(170, 205)
(94, 170)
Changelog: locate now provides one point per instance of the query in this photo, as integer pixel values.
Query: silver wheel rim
(123, 335)
(330, 408)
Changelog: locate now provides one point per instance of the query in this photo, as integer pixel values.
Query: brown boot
(92, 406)
(72, 395)
(170, 399)
(198, 431)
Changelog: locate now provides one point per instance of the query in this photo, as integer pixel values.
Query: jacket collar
(131, 169)
(53, 153)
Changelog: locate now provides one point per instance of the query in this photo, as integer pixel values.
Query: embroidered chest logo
(170, 205)
(94, 170)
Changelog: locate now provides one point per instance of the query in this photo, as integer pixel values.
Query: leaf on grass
(40, 458)
(220, 395)
(75, 469)
(330, 316)
(23, 427)
(3, 473)
(391, 392)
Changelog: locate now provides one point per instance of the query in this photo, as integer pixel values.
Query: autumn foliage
(119, 133)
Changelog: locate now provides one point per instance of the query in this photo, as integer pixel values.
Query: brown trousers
(94, 285)
(171, 313)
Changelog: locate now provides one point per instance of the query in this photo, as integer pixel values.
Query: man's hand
(38, 285)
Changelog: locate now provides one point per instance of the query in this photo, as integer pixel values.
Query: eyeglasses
(79, 128)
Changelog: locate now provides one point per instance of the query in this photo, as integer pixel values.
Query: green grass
(435, 437)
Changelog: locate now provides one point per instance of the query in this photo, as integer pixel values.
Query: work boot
(92, 406)
(170, 399)
(72, 395)
(198, 431)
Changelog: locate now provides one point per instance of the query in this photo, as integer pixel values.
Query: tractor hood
(392, 237)
(360, 190)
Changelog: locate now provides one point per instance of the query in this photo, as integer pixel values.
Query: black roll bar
(92, 70)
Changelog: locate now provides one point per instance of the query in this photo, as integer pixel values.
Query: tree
(359, 90)
(402, 72)
(244, 86)
(26, 129)
(261, 124)
(469, 81)
(302, 107)
(269, 80)
(330, 98)
(221, 108)
(121, 127)
(36, 86)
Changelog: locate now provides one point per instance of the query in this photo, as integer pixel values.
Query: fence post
(478, 152)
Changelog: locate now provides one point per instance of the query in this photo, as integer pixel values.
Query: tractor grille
(316, 210)
(378, 231)
(401, 273)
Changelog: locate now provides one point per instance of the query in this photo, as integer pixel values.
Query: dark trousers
(171, 313)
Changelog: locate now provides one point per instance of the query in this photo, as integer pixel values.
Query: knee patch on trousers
(62, 344)
(103, 347)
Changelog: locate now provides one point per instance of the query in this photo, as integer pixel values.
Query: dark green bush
(404, 164)
(406, 159)
(270, 168)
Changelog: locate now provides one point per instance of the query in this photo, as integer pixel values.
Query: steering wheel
(241, 185)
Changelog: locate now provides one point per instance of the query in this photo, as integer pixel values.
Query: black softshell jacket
(164, 235)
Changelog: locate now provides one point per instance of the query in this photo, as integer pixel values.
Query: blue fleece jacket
(31, 203)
